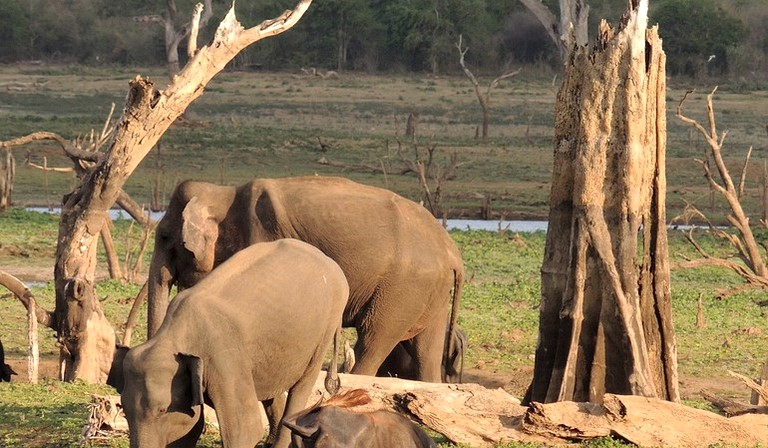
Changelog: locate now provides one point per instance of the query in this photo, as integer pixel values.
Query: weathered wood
(472, 415)
(732, 407)
(757, 398)
(33, 349)
(605, 318)
(646, 422)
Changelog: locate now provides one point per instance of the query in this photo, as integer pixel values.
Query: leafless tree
(752, 265)
(484, 97)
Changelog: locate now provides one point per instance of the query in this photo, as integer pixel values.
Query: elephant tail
(458, 283)
(332, 382)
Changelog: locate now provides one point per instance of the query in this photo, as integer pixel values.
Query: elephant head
(188, 243)
(164, 408)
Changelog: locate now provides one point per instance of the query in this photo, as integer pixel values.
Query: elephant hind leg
(427, 351)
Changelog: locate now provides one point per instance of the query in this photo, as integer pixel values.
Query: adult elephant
(400, 263)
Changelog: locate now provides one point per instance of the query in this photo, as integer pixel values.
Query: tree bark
(86, 337)
(605, 319)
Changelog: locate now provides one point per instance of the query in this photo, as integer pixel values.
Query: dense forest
(719, 38)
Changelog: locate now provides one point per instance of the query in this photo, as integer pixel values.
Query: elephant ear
(199, 232)
(195, 367)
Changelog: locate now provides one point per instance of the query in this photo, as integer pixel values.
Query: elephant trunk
(159, 282)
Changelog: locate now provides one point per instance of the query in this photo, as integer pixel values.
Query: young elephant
(400, 363)
(333, 425)
(5, 370)
(401, 264)
(259, 325)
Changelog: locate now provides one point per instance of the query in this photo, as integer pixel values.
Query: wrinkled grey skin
(400, 363)
(400, 263)
(338, 427)
(5, 370)
(257, 326)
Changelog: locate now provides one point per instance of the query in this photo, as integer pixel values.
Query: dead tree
(570, 30)
(424, 165)
(605, 321)
(86, 338)
(173, 36)
(752, 265)
(484, 97)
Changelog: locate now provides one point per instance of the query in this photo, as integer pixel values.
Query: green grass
(268, 124)
(499, 311)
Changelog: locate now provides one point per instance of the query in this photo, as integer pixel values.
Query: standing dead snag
(87, 339)
(605, 320)
(483, 97)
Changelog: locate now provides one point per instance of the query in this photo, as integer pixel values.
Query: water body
(451, 224)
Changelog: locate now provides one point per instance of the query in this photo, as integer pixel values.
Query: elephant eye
(162, 410)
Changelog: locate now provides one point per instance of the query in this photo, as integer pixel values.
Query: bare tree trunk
(7, 176)
(605, 319)
(570, 29)
(113, 262)
(87, 339)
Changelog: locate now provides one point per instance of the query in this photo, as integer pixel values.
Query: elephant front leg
(237, 410)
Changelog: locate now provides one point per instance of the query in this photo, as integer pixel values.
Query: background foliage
(378, 35)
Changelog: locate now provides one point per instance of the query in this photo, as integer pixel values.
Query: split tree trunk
(605, 319)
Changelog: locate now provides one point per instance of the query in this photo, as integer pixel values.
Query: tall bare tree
(605, 319)
(86, 337)
(569, 30)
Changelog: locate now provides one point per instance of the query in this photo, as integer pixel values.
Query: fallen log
(475, 416)
(643, 422)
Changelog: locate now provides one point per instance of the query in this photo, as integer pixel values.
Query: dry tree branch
(751, 384)
(745, 243)
(25, 296)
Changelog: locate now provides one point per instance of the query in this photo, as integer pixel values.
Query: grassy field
(271, 124)
(499, 312)
(252, 124)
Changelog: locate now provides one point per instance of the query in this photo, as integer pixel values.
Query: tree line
(381, 35)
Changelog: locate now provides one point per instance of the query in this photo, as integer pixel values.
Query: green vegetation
(268, 125)
(716, 33)
(499, 312)
(394, 36)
